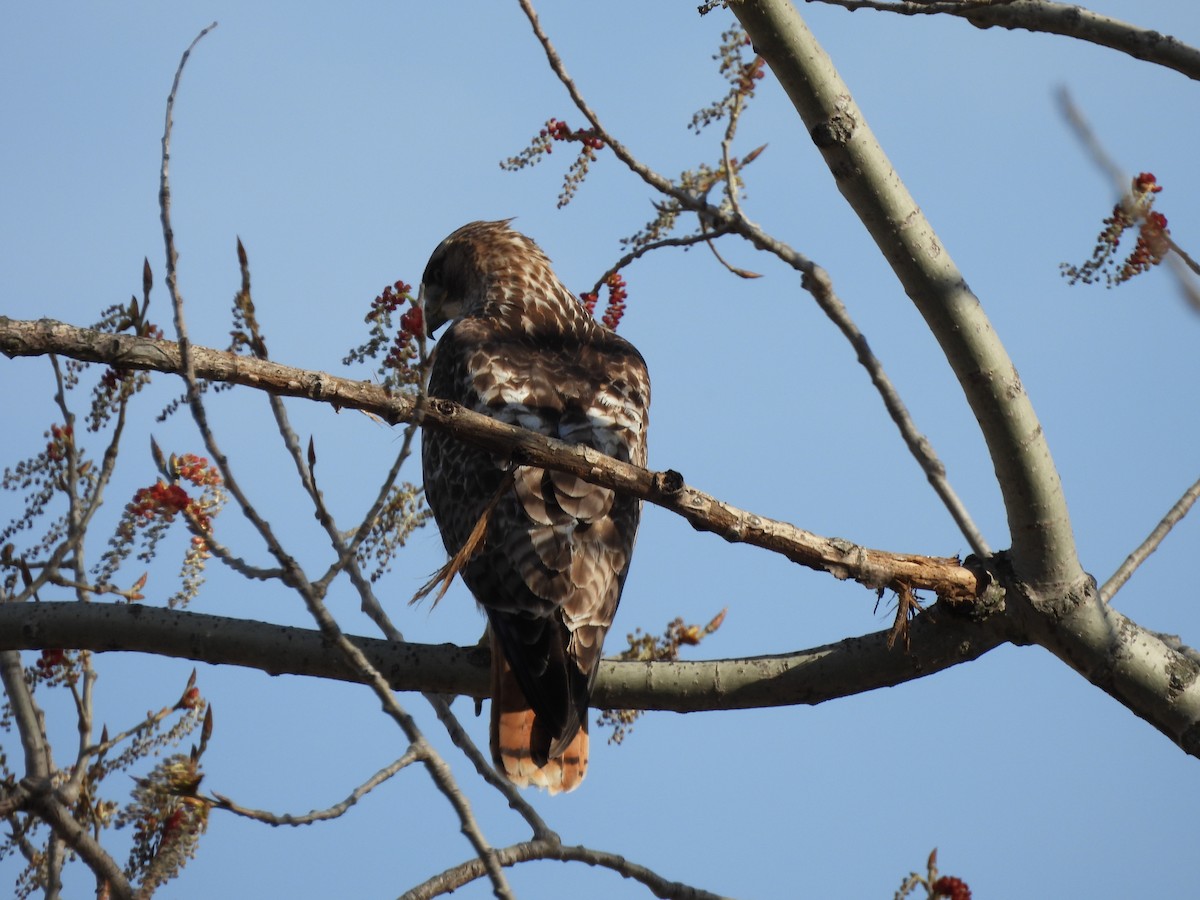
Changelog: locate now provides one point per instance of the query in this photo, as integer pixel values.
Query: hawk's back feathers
(522, 349)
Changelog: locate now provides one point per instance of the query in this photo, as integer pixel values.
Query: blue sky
(342, 144)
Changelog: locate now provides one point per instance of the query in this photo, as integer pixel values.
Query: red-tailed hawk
(551, 565)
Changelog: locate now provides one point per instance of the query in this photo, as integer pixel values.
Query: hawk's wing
(554, 555)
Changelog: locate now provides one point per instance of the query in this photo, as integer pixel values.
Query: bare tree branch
(58, 817)
(37, 785)
(26, 716)
(1074, 21)
(319, 815)
(841, 558)
(1048, 596)
(452, 879)
(814, 279)
(1173, 517)
(915, 7)
(1045, 17)
(1074, 117)
(940, 638)
(1043, 543)
(687, 241)
(1036, 594)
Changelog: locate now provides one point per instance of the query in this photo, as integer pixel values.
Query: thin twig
(1087, 136)
(164, 203)
(688, 241)
(82, 699)
(1173, 517)
(82, 588)
(484, 768)
(319, 815)
(226, 556)
(74, 538)
(347, 560)
(917, 443)
(85, 719)
(144, 727)
(726, 264)
(731, 188)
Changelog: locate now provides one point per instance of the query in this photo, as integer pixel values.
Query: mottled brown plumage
(550, 570)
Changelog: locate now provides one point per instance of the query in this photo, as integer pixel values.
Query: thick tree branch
(1045, 17)
(841, 558)
(1075, 21)
(1151, 674)
(1048, 597)
(1042, 540)
(939, 638)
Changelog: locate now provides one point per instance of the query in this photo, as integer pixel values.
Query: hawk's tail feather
(520, 742)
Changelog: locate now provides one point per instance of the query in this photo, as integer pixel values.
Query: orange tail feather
(515, 734)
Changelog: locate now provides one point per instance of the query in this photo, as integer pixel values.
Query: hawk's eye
(433, 272)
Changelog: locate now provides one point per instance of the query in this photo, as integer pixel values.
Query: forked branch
(815, 280)
(454, 878)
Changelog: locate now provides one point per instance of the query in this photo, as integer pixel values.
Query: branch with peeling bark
(875, 569)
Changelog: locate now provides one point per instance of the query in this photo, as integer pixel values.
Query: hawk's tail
(520, 741)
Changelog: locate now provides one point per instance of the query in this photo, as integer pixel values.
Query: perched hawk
(551, 564)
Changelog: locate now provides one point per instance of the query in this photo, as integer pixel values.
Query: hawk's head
(487, 269)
